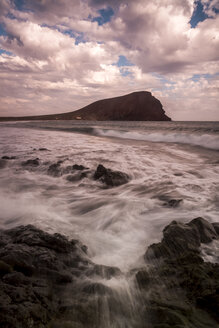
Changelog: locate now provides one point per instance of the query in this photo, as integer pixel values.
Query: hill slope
(136, 106)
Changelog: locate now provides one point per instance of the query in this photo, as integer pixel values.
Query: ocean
(164, 160)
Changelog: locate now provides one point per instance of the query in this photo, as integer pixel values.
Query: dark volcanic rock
(216, 227)
(79, 167)
(173, 202)
(74, 171)
(136, 106)
(46, 281)
(109, 177)
(31, 162)
(8, 157)
(179, 288)
(43, 149)
(55, 169)
(205, 229)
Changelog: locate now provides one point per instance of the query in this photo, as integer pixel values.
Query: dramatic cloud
(57, 56)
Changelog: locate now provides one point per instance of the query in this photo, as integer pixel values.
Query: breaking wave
(204, 140)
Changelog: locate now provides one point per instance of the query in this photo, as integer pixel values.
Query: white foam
(204, 140)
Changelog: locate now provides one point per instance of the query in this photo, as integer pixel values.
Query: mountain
(136, 106)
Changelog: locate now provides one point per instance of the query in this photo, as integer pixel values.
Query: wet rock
(96, 288)
(216, 227)
(31, 162)
(143, 278)
(179, 288)
(55, 169)
(19, 261)
(109, 177)
(5, 268)
(8, 157)
(75, 172)
(205, 229)
(103, 271)
(42, 280)
(16, 279)
(178, 238)
(79, 167)
(173, 203)
(31, 236)
(166, 316)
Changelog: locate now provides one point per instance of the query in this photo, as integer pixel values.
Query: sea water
(165, 160)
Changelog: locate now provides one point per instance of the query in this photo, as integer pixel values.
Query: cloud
(4, 7)
(57, 57)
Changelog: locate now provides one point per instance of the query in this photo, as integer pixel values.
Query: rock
(75, 172)
(79, 167)
(5, 268)
(206, 230)
(173, 202)
(143, 278)
(96, 288)
(8, 157)
(166, 316)
(103, 271)
(16, 279)
(55, 169)
(178, 238)
(31, 236)
(46, 279)
(179, 288)
(216, 227)
(43, 149)
(109, 177)
(31, 162)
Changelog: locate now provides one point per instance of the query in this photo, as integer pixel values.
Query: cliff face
(136, 106)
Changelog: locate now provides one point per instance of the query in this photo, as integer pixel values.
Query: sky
(60, 55)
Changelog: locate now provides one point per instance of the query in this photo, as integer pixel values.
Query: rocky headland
(136, 106)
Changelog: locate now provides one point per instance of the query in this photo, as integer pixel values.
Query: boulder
(177, 286)
(180, 238)
(79, 167)
(173, 202)
(109, 177)
(55, 169)
(205, 229)
(31, 162)
(8, 157)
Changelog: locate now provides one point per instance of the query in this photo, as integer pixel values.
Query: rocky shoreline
(72, 173)
(48, 281)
